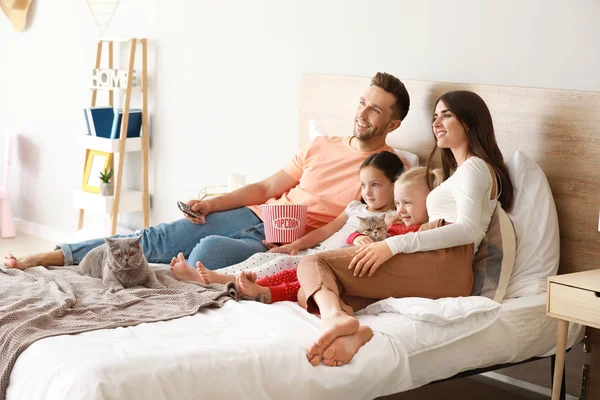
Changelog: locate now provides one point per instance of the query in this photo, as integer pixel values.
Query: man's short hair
(394, 86)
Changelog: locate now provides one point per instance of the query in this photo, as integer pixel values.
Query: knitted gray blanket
(39, 302)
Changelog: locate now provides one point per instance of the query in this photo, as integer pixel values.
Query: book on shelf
(99, 121)
(87, 121)
(134, 125)
(105, 122)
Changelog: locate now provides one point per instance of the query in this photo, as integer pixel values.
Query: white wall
(226, 75)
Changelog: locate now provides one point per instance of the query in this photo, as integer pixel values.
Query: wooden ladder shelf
(114, 202)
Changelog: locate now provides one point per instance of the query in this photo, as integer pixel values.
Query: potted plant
(106, 186)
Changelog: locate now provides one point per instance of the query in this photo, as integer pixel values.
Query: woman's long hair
(474, 115)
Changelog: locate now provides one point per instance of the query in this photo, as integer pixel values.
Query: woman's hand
(290, 248)
(202, 207)
(362, 241)
(369, 258)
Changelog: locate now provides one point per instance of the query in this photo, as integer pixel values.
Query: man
(324, 176)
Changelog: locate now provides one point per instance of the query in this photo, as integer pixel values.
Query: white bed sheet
(522, 331)
(250, 350)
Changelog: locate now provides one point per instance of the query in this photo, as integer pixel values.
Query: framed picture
(95, 162)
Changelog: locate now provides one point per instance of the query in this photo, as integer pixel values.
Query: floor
(24, 244)
(472, 388)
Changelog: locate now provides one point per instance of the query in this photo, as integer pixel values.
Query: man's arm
(253, 194)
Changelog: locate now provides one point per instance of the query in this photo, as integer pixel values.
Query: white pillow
(536, 226)
(442, 311)
(408, 159)
(314, 129)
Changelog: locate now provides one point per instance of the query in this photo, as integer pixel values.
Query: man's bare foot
(246, 282)
(50, 258)
(342, 350)
(207, 276)
(182, 271)
(334, 326)
(11, 261)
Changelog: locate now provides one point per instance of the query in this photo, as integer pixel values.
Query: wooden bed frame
(559, 129)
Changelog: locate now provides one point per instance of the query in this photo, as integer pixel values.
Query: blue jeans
(227, 238)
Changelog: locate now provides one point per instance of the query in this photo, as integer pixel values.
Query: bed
(248, 350)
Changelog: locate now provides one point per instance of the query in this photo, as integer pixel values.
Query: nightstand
(572, 298)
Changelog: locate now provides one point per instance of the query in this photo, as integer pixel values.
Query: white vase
(107, 189)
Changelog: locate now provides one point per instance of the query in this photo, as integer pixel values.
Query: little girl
(377, 174)
(378, 190)
(410, 192)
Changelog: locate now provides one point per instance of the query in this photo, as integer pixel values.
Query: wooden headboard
(559, 129)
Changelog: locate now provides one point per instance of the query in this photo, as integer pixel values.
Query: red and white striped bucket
(284, 223)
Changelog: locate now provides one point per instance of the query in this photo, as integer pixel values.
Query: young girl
(410, 191)
(377, 175)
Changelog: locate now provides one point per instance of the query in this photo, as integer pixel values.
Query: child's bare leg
(51, 258)
(250, 288)
(207, 276)
(183, 271)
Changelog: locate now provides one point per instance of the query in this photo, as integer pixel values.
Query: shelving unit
(123, 200)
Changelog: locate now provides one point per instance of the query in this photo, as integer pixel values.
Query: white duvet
(245, 350)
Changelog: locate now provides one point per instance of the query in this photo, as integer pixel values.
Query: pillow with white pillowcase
(409, 159)
(536, 227)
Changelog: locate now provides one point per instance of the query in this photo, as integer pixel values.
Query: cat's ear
(361, 219)
(109, 241)
(138, 240)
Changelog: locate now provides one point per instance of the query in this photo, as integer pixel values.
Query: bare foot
(11, 261)
(246, 282)
(51, 258)
(207, 276)
(182, 271)
(342, 350)
(336, 325)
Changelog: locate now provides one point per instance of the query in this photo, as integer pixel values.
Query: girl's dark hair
(474, 115)
(387, 162)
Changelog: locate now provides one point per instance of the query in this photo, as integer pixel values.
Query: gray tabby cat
(120, 263)
(373, 227)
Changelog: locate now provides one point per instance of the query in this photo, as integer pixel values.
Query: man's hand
(362, 241)
(369, 258)
(201, 207)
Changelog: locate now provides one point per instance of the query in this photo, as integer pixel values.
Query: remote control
(188, 210)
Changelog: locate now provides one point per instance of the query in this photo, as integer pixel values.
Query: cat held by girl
(374, 227)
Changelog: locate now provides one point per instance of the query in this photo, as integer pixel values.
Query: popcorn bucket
(284, 223)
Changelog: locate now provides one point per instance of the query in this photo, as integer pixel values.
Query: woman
(434, 262)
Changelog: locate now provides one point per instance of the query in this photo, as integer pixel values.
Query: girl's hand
(290, 249)
(362, 241)
(369, 258)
